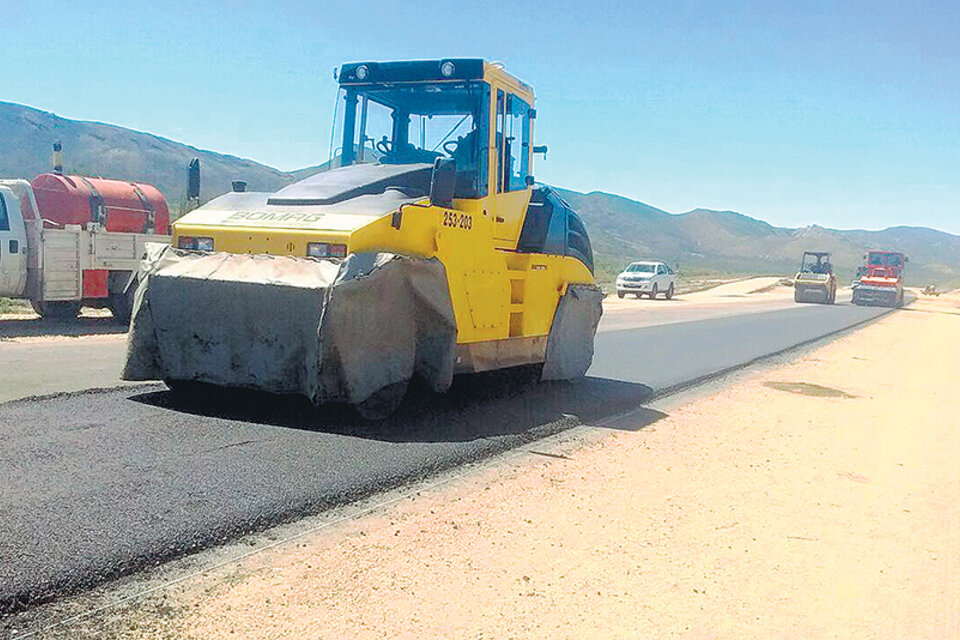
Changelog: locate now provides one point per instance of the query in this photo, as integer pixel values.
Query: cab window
(4, 218)
(501, 116)
(513, 142)
(518, 144)
(416, 123)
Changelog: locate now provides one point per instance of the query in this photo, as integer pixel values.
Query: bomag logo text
(274, 216)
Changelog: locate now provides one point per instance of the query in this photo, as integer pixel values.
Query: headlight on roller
(326, 250)
(195, 243)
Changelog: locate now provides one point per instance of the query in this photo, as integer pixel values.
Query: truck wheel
(670, 292)
(620, 294)
(57, 310)
(654, 292)
(383, 402)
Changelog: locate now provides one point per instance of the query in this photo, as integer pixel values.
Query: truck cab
(14, 195)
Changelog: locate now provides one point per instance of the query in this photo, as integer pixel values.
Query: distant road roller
(880, 280)
(815, 281)
(427, 249)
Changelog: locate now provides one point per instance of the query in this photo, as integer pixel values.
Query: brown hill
(92, 148)
(621, 229)
(728, 242)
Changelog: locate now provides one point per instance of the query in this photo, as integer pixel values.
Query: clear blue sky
(844, 114)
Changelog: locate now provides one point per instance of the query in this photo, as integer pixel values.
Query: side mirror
(442, 182)
(541, 148)
(906, 259)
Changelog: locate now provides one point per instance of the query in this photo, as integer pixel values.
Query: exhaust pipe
(58, 158)
(193, 185)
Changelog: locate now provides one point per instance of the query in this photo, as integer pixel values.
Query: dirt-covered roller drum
(327, 330)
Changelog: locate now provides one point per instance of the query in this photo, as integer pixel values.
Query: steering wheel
(384, 146)
(450, 147)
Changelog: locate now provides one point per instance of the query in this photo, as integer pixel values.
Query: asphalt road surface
(94, 485)
(89, 354)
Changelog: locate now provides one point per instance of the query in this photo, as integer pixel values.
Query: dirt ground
(820, 499)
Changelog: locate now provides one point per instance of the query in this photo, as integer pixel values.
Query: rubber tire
(57, 310)
(620, 294)
(654, 292)
(383, 402)
(669, 293)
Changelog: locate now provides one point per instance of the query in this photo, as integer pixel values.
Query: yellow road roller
(426, 249)
(815, 281)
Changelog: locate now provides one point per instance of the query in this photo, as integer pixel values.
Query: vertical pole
(58, 158)
(347, 154)
(363, 128)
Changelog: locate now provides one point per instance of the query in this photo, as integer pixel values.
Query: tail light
(326, 250)
(195, 243)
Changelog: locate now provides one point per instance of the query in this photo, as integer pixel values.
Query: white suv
(647, 278)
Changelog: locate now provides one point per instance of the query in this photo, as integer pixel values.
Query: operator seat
(465, 157)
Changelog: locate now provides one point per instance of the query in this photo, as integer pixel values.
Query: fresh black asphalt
(99, 484)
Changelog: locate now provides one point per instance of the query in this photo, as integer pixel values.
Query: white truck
(59, 262)
(647, 278)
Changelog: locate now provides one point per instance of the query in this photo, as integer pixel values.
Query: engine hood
(342, 199)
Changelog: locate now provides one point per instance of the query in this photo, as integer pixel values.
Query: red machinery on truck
(67, 241)
(880, 280)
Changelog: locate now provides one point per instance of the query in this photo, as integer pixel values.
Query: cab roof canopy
(365, 74)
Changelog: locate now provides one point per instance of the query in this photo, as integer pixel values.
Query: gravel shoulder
(817, 499)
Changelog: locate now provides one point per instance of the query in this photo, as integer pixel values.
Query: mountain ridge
(700, 240)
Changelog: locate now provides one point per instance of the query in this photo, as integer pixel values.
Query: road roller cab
(426, 248)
